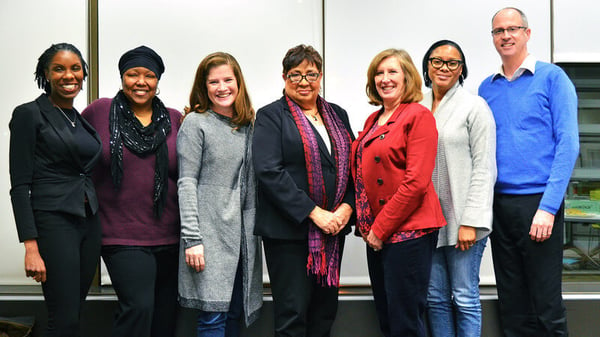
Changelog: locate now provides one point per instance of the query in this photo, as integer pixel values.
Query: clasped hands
(331, 223)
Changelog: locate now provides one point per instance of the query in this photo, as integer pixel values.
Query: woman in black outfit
(305, 204)
(52, 152)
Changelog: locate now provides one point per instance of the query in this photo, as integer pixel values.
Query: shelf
(589, 103)
(586, 219)
(586, 83)
(589, 129)
(582, 231)
(586, 174)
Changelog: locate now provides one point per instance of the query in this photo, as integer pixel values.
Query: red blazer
(397, 164)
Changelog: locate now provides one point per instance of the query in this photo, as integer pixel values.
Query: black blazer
(46, 172)
(283, 201)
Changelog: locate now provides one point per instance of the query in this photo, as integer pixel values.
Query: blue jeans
(224, 324)
(453, 305)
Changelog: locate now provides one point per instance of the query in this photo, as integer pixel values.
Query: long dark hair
(45, 59)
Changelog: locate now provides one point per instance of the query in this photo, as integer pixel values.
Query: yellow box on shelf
(582, 208)
(594, 194)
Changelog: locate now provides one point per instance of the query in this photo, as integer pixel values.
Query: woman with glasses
(398, 213)
(464, 181)
(305, 196)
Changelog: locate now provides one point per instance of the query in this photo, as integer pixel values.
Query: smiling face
(511, 45)
(443, 79)
(304, 93)
(139, 85)
(222, 87)
(65, 74)
(389, 81)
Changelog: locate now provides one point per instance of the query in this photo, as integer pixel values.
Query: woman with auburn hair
(220, 268)
(397, 209)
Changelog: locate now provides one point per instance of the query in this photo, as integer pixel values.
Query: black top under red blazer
(46, 172)
(283, 201)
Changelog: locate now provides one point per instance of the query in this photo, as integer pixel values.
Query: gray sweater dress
(217, 201)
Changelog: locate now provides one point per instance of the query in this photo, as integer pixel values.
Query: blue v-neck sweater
(536, 132)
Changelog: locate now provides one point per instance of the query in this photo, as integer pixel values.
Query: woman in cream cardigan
(464, 177)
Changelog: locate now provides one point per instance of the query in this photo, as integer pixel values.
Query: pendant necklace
(67, 117)
(314, 117)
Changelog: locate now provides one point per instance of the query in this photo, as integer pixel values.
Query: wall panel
(575, 30)
(356, 30)
(27, 28)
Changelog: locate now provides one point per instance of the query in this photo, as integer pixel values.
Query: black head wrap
(142, 56)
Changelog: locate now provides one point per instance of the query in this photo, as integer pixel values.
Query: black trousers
(399, 276)
(528, 273)
(303, 308)
(145, 280)
(70, 248)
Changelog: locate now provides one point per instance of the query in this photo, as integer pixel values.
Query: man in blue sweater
(535, 107)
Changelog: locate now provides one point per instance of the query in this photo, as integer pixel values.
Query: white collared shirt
(528, 64)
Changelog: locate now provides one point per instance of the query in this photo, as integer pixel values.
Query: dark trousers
(400, 278)
(528, 273)
(303, 308)
(70, 248)
(145, 280)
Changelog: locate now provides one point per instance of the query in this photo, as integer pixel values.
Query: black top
(50, 164)
(87, 145)
(279, 162)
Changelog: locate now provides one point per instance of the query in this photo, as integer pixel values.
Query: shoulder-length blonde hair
(412, 81)
(199, 101)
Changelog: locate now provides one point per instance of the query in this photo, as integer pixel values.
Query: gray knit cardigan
(217, 201)
(465, 162)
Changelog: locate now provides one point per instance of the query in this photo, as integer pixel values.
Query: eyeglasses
(438, 63)
(511, 30)
(297, 78)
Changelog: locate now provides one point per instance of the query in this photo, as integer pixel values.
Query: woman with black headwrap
(137, 191)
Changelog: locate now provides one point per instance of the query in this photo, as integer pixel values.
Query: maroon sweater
(126, 214)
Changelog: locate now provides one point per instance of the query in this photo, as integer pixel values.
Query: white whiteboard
(27, 28)
(356, 30)
(258, 33)
(575, 31)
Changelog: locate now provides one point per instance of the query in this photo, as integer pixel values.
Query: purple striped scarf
(323, 250)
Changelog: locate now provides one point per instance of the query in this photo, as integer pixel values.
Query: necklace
(67, 117)
(314, 116)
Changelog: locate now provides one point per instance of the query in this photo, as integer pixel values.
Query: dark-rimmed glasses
(297, 78)
(438, 63)
(511, 30)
